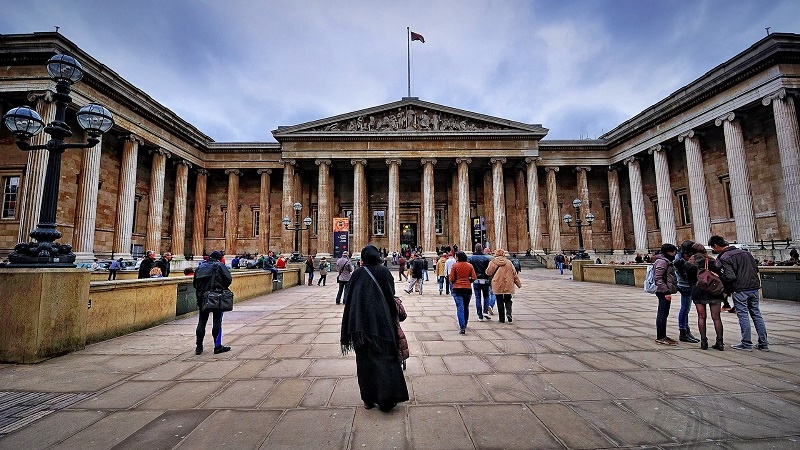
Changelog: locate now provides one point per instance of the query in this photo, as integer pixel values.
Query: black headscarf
(370, 313)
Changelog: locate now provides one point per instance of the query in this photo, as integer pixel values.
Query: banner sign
(341, 236)
(478, 232)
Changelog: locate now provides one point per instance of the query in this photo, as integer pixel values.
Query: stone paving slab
(578, 368)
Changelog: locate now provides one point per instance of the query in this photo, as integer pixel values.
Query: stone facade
(726, 144)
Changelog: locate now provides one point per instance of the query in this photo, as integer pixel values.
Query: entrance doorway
(408, 235)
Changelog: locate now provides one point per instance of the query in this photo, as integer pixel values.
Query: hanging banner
(341, 236)
(478, 232)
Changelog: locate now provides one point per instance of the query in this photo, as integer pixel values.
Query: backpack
(649, 281)
(709, 282)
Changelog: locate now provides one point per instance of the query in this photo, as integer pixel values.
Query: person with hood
(211, 276)
(698, 261)
(369, 329)
(666, 285)
(681, 264)
(504, 277)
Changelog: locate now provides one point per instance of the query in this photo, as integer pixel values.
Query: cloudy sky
(238, 69)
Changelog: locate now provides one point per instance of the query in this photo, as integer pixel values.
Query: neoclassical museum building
(718, 156)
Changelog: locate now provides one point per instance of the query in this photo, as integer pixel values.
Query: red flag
(417, 37)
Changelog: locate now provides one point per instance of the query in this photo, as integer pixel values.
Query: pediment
(409, 117)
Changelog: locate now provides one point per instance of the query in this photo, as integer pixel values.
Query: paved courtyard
(578, 368)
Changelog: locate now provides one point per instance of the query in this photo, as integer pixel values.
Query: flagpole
(408, 41)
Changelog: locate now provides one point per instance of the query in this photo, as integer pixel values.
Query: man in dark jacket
(666, 285)
(740, 277)
(211, 276)
(147, 265)
(417, 267)
(163, 264)
(480, 286)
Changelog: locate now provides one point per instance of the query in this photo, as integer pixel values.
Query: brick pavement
(577, 368)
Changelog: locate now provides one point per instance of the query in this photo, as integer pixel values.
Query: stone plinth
(577, 268)
(44, 313)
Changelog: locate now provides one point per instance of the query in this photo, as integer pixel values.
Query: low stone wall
(626, 275)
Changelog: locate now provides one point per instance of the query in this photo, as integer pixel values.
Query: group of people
(690, 271)
(150, 267)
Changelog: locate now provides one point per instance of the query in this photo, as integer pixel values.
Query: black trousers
(216, 327)
(342, 290)
(503, 306)
(112, 274)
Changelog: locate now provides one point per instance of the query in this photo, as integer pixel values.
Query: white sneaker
(480, 319)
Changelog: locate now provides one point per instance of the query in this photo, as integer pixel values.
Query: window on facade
(10, 195)
(726, 187)
(379, 222)
(315, 221)
(349, 214)
(439, 221)
(205, 221)
(683, 201)
(655, 214)
(224, 220)
(137, 200)
(607, 210)
(256, 222)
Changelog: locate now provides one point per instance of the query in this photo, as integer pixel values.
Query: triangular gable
(410, 116)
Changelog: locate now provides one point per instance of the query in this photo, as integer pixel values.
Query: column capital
(45, 95)
(353, 162)
(319, 162)
(779, 94)
(613, 168)
(630, 160)
(582, 169)
(291, 162)
(397, 161)
(496, 160)
(464, 160)
(201, 171)
(182, 162)
(658, 148)
(551, 169)
(266, 171)
(134, 138)
(687, 134)
(160, 151)
(533, 160)
(424, 161)
(729, 117)
(236, 172)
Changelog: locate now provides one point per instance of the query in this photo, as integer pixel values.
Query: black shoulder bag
(219, 299)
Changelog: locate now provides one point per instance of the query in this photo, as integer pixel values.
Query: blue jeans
(425, 274)
(484, 289)
(560, 267)
(462, 307)
(661, 316)
(747, 302)
(444, 284)
(686, 305)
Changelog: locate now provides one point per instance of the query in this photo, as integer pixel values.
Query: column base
(124, 256)
(320, 255)
(83, 257)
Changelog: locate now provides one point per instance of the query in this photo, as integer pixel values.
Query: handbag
(402, 342)
(217, 300)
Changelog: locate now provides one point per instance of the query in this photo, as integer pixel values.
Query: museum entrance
(408, 235)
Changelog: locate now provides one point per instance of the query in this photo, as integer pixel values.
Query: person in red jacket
(461, 277)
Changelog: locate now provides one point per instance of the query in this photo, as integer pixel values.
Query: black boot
(719, 345)
(686, 336)
(704, 344)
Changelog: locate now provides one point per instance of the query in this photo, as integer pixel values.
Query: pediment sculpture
(409, 119)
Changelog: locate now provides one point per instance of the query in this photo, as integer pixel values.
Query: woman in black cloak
(369, 327)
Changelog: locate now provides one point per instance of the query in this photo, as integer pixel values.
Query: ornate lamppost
(297, 227)
(25, 123)
(579, 225)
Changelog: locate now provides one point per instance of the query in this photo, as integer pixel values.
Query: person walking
(462, 274)
(504, 277)
(560, 259)
(424, 267)
(146, 264)
(323, 271)
(681, 262)
(113, 268)
(699, 259)
(666, 285)
(369, 328)
(481, 285)
(416, 274)
(310, 269)
(441, 274)
(210, 276)
(740, 277)
(401, 268)
(345, 268)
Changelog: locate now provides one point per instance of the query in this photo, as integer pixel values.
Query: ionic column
(263, 215)
(789, 148)
(35, 170)
(553, 214)
(666, 209)
(156, 208)
(499, 202)
(86, 204)
(179, 221)
(428, 208)
(615, 205)
(488, 206)
(393, 213)
(199, 222)
(287, 236)
(360, 206)
(126, 197)
(324, 219)
(741, 195)
(463, 203)
(701, 219)
(232, 225)
(583, 194)
(532, 174)
(637, 204)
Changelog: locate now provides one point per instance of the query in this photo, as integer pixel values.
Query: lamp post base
(42, 254)
(296, 257)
